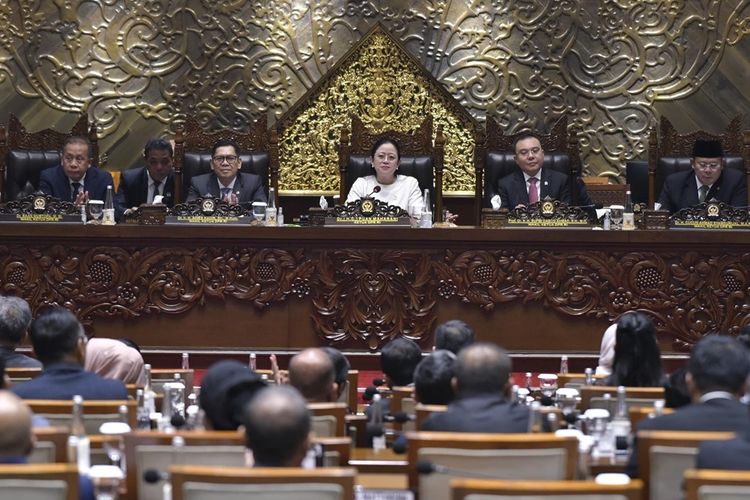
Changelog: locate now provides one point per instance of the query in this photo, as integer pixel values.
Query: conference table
(185, 286)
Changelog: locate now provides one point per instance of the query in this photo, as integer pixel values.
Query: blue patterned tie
(76, 189)
(225, 192)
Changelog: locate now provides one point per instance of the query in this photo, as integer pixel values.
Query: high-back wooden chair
(664, 456)
(58, 412)
(419, 158)
(23, 155)
(506, 456)
(641, 413)
(328, 419)
(50, 445)
(403, 400)
(349, 393)
(192, 153)
(38, 481)
(574, 380)
(191, 482)
(592, 396)
(18, 375)
(421, 412)
(709, 484)
(544, 490)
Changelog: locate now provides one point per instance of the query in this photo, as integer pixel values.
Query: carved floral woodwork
(363, 294)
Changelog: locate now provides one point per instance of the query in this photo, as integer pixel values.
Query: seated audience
(74, 180)
(143, 184)
(708, 179)
(60, 344)
(453, 336)
(311, 372)
(433, 378)
(733, 454)
(398, 359)
(607, 351)
(226, 388)
(716, 376)
(17, 439)
(637, 360)
(15, 318)
(111, 358)
(482, 384)
(341, 367)
(676, 392)
(277, 427)
(387, 184)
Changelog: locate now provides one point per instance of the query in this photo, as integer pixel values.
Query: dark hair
(158, 145)
(719, 363)
(225, 142)
(277, 423)
(385, 140)
(340, 365)
(482, 368)
(226, 388)
(637, 361)
(453, 335)
(676, 393)
(526, 134)
(398, 359)
(432, 378)
(15, 318)
(77, 139)
(54, 334)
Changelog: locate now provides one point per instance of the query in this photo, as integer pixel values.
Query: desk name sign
(364, 212)
(209, 210)
(545, 213)
(39, 208)
(712, 215)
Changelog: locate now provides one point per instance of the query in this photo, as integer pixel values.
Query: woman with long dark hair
(637, 361)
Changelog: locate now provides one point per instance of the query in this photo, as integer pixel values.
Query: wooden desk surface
(366, 460)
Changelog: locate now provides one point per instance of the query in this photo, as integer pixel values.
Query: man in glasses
(707, 180)
(144, 184)
(226, 181)
(74, 180)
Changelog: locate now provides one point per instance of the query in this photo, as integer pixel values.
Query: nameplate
(547, 223)
(209, 219)
(69, 218)
(367, 221)
(710, 224)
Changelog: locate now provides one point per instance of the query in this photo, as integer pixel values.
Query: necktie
(225, 192)
(533, 193)
(156, 190)
(76, 189)
(702, 192)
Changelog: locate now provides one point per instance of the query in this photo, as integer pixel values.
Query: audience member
(398, 359)
(311, 372)
(453, 336)
(733, 454)
(637, 360)
(676, 392)
(482, 384)
(74, 179)
(341, 367)
(60, 344)
(716, 375)
(607, 350)
(277, 427)
(433, 377)
(15, 318)
(143, 184)
(111, 358)
(226, 388)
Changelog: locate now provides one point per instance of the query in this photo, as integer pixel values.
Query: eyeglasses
(71, 159)
(533, 151)
(222, 159)
(702, 165)
(384, 157)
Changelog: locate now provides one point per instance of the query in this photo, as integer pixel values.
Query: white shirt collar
(716, 395)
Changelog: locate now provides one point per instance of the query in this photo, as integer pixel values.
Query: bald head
(15, 426)
(482, 369)
(311, 372)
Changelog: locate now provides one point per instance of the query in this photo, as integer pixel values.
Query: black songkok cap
(225, 389)
(707, 149)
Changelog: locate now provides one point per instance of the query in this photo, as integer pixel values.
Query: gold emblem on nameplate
(367, 207)
(208, 207)
(548, 208)
(40, 204)
(712, 210)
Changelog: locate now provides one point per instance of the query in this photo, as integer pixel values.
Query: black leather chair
(259, 154)
(23, 155)
(419, 158)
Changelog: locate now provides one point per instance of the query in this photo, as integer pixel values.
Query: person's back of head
(453, 336)
(637, 360)
(277, 427)
(341, 367)
(718, 363)
(433, 376)
(16, 439)
(311, 372)
(57, 335)
(483, 368)
(15, 318)
(398, 359)
(226, 388)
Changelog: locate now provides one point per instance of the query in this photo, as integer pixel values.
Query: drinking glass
(114, 447)
(106, 479)
(615, 213)
(547, 383)
(259, 210)
(96, 208)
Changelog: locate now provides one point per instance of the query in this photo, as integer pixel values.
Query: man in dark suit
(74, 180)
(482, 383)
(15, 318)
(707, 180)
(733, 454)
(141, 185)
(716, 375)
(60, 344)
(226, 181)
(531, 182)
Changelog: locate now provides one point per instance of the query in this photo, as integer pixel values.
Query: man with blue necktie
(74, 180)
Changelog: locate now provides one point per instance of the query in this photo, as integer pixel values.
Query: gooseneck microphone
(428, 467)
(376, 189)
(153, 476)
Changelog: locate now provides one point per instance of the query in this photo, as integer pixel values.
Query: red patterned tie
(533, 193)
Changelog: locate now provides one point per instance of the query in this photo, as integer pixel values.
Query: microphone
(177, 421)
(428, 467)
(377, 382)
(369, 393)
(376, 189)
(153, 476)
(400, 417)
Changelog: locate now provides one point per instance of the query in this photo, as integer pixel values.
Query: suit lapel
(690, 191)
(544, 187)
(169, 190)
(142, 187)
(523, 192)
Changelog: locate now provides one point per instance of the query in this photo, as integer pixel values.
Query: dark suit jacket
(731, 455)
(133, 190)
(680, 190)
(249, 186)
(65, 380)
(513, 192)
(54, 182)
(15, 359)
(723, 415)
(481, 413)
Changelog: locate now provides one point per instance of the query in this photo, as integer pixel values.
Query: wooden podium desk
(239, 287)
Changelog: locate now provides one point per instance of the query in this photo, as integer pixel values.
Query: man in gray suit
(226, 181)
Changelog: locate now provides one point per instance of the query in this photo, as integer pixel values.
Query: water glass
(615, 213)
